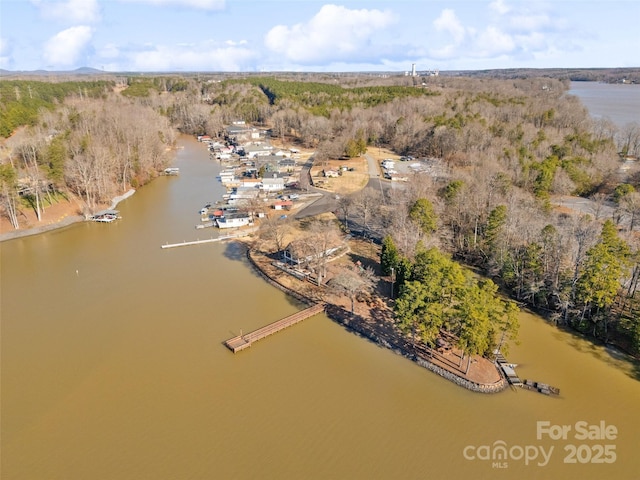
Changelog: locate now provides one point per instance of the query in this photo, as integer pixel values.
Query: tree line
(92, 147)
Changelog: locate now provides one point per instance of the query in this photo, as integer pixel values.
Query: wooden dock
(241, 342)
(508, 369)
(208, 240)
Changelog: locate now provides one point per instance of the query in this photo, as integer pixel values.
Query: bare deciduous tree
(352, 280)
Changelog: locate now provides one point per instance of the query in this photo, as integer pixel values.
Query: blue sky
(309, 35)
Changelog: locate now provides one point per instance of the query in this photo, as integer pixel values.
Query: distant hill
(38, 73)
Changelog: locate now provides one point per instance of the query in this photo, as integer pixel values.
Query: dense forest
(508, 147)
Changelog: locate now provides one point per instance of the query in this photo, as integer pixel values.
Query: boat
(540, 387)
(171, 171)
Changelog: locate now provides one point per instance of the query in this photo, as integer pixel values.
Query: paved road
(325, 201)
(586, 206)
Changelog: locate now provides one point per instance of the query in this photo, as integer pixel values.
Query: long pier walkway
(241, 342)
(208, 240)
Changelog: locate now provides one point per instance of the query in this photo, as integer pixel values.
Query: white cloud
(65, 48)
(529, 23)
(199, 4)
(500, 7)
(448, 22)
(202, 57)
(233, 43)
(511, 32)
(492, 42)
(71, 11)
(335, 33)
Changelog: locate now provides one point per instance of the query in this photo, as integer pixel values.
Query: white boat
(171, 171)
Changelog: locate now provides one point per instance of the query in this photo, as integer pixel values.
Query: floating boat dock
(241, 342)
(540, 387)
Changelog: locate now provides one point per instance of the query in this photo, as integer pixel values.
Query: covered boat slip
(105, 216)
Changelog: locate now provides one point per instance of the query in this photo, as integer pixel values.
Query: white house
(273, 184)
(251, 151)
(234, 220)
(250, 182)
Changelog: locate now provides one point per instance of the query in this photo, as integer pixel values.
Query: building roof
(273, 181)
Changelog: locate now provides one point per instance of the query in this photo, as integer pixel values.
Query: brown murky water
(113, 368)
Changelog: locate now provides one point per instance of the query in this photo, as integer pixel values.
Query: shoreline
(63, 223)
(358, 325)
(28, 232)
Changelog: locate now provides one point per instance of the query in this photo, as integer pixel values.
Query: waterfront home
(227, 176)
(253, 150)
(299, 253)
(250, 182)
(234, 220)
(244, 193)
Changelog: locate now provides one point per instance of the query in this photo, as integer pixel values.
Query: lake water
(620, 103)
(113, 367)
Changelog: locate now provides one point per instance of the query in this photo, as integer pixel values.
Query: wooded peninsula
(508, 145)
